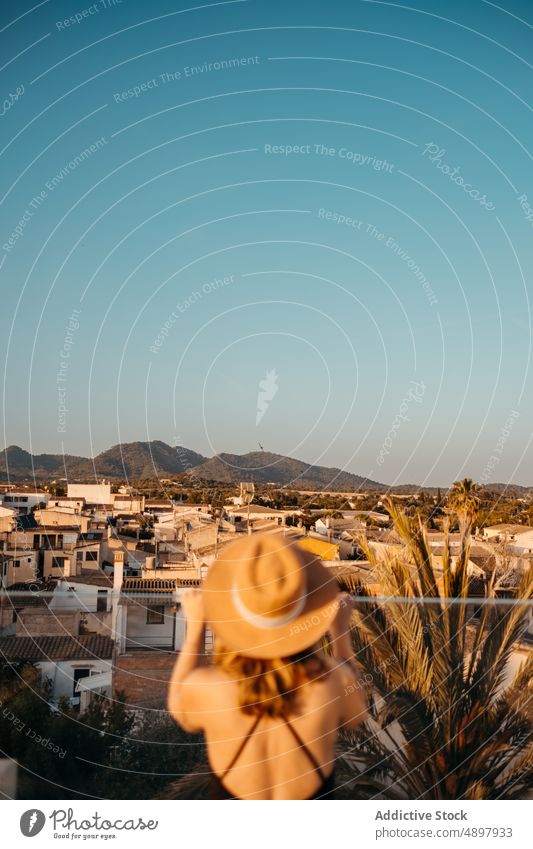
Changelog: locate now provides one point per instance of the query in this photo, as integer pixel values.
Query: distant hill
(17, 464)
(151, 459)
(145, 460)
(131, 460)
(512, 489)
(157, 459)
(265, 467)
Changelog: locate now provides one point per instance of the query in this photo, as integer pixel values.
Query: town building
(64, 661)
(23, 501)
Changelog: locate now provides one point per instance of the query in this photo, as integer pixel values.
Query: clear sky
(324, 209)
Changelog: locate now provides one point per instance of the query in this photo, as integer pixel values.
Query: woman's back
(282, 757)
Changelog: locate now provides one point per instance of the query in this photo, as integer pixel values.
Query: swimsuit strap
(239, 751)
(308, 752)
(301, 744)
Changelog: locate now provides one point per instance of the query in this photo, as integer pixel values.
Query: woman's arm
(182, 692)
(354, 701)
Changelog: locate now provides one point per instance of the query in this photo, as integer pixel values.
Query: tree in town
(464, 499)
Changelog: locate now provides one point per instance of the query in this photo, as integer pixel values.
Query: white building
(17, 566)
(93, 493)
(519, 538)
(149, 615)
(64, 661)
(7, 520)
(22, 501)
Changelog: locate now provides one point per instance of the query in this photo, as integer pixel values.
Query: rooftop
(26, 523)
(94, 577)
(26, 491)
(30, 593)
(158, 502)
(344, 524)
(254, 508)
(152, 585)
(325, 550)
(35, 649)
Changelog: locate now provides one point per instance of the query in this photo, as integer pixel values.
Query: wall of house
(127, 504)
(92, 493)
(179, 633)
(25, 571)
(523, 543)
(50, 517)
(84, 559)
(83, 596)
(37, 622)
(201, 537)
(144, 677)
(20, 540)
(50, 556)
(22, 502)
(61, 674)
(67, 503)
(6, 523)
(97, 623)
(139, 634)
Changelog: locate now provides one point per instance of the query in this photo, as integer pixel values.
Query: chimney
(328, 522)
(118, 570)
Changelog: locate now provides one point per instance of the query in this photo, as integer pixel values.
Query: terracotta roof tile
(56, 648)
(143, 585)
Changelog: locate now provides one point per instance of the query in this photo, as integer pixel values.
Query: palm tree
(445, 723)
(464, 500)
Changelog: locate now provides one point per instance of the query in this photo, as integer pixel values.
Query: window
(16, 564)
(8, 498)
(101, 601)
(155, 614)
(91, 555)
(58, 562)
(79, 555)
(23, 499)
(79, 673)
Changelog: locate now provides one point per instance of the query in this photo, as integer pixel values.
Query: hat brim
(237, 634)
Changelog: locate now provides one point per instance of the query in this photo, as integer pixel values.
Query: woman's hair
(271, 687)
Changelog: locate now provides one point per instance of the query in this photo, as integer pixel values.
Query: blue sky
(337, 193)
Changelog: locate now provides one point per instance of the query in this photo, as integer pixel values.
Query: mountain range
(134, 460)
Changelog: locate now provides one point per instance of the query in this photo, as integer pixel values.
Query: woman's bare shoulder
(204, 678)
(341, 673)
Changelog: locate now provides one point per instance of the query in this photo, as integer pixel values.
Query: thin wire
(137, 596)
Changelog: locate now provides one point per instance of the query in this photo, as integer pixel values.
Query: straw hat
(267, 598)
